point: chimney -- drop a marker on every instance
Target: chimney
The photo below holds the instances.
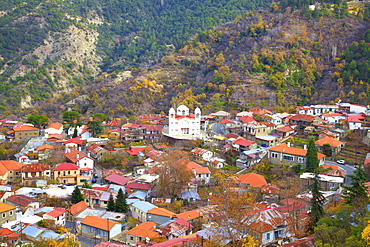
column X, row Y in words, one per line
column 88, row 154
column 305, row 146
column 288, row 144
column 78, row 156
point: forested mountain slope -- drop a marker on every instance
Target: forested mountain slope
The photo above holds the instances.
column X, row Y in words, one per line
column 51, row 46
column 279, row 58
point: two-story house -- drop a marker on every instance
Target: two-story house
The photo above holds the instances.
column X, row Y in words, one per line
column 7, row 213
column 201, row 173
column 54, row 128
column 79, row 158
column 23, row 202
column 32, row 172
column 57, row 216
column 140, row 210
column 68, row 173
column 24, row 132
column 141, row 233
column 96, row 151
column 10, row 171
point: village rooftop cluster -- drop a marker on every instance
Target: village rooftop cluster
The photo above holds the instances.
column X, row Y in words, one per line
column 36, row 198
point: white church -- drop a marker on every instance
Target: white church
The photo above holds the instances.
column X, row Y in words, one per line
column 184, row 125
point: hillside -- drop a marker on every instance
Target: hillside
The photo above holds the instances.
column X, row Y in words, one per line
column 47, row 48
column 274, row 58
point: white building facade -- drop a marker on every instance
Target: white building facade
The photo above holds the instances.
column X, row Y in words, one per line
column 183, row 123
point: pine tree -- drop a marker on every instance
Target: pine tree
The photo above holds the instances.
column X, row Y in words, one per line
column 357, row 192
column 312, row 162
column 121, row 204
column 76, row 196
column 110, row 205
column 317, row 204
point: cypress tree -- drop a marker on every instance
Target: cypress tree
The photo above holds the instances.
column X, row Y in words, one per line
column 317, row 204
column 121, row 204
column 75, row 133
column 76, row 196
column 312, row 162
column 357, row 192
column 110, row 205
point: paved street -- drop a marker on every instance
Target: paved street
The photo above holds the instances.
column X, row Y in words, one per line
column 349, row 170
column 217, row 128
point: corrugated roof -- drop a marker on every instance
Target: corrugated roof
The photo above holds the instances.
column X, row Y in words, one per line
column 143, row 206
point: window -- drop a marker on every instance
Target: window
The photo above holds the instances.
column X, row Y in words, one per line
column 268, row 236
column 274, row 155
column 288, row 157
column 300, row 159
column 132, row 238
column 91, row 229
column 3, row 215
column 11, row 213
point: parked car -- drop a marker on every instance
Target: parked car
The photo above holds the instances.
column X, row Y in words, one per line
column 342, row 162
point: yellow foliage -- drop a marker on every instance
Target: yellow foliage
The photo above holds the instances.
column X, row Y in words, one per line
column 251, row 242
column 366, row 234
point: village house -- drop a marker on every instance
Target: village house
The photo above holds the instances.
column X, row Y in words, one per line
column 326, row 182
column 96, row 198
column 220, row 115
column 140, row 210
column 79, row 158
column 141, row 233
column 74, row 210
column 202, row 154
column 307, row 110
column 32, row 172
column 255, row 129
column 4, row 194
column 97, row 227
column 115, row 123
column 73, row 143
column 45, row 151
column 286, row 154
column 272, row 119
column 201, row 173
column 175, row 228
column 96, row 151
column 10, row 171
column 334, row 144
column 303, row 121
column 352, row 108
column 8, row 237
column 7, row 213
column 24, row 132
column 24, row 202
column 252, row 180
column 57, row 216
column 284, row 132
column 184, row 125
column 117, row 179
column 243, row 145
column 159, row 215
column 54, row 128
column 333, row 118
column 268, row 225
column 68, row 173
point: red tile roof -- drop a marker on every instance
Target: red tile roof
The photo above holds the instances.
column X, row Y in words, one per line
column 110, row 244
column 114, row 123
column 189, row 215
column 225, row 121
column 252, row 179
column 200, row 151
column 66, row 167
column 56, row 126
column 332, row 115
column 328, row 140
column 283, row 148
column 74, row 155
column 99, row 222
column 118, row 179
column 286, row 128
column 270, row 189
column 247, row 119
column 308, row 241
column 108, row 172
column 76, row 208
column 161, row 211
column 35, row 168
column 220, row 114
column 25, row 128
column 74, row 140
column 5, row 232
column 21, row 200
column 135, row 151
column 95, row 148
column 9, row 165
column 303, row 117
column 144, row 230
column 190, row 165
column 45, row 146
column 243, row 142
column 231, row 135
column 56, row 212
